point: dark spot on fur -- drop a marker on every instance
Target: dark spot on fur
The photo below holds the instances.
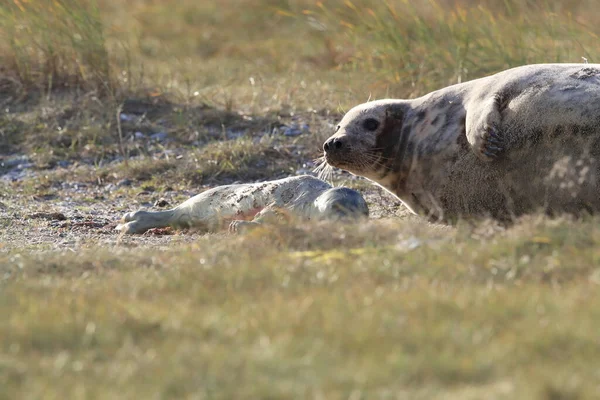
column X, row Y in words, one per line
column 395, row 111
column 404, row 138
column 456, row 118
column 560, row 133
column 462, row 142
column 454, row 158
column 585, row 73
column 287, row 195
column 557, row 131
column 409, row 149
column 535, row 136
column 388, row 139
column 391, row 143
column 419, row 117
column 423, row 148
column 435, row 120
column 412, row 127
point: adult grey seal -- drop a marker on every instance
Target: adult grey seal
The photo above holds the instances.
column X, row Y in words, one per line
column 510, row 143
column 248, row 204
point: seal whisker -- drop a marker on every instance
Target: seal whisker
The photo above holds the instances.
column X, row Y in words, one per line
column 326, row 174
column 323, row 170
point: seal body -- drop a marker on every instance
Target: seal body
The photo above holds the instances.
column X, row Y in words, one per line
column 252, row 203
column 520, row 140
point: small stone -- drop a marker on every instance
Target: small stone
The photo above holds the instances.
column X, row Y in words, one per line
column 159, row 231
column 161, row 203
column 44, row 197
column 159, row 137
column 19, row 162
column 292, row 131
column 124, row 182
column 53, row 216
column 234, row 134
column 139, row 135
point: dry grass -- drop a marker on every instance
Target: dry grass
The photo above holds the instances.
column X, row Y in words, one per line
column 415, row 47
column 54, row 44
column 387, row 48
column 393, row 308
column 382, row 310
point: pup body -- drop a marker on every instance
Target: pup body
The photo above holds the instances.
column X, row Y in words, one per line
column 251, row 203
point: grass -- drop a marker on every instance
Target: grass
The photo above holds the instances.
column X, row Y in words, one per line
column 389, row 308
column 291, row 313
column 57, row 43
column 416, row 47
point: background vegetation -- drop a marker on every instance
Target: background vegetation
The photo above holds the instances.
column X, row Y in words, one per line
column 112, row 104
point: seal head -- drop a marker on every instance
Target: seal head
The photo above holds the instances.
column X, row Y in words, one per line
column 367, row 140
column 340, row 203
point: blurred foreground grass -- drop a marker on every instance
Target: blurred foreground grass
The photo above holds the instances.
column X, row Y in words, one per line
column 386, row 309
column 378, row 310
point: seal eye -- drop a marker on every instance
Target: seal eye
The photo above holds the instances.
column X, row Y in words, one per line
column 370, row 124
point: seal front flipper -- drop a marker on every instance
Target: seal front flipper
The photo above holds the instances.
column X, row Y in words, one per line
column 269, row 214
column 492, row 145
column 482, row 129
column 239, row 226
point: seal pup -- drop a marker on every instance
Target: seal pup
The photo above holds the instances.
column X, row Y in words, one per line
column 499, row 146
column 244, row 205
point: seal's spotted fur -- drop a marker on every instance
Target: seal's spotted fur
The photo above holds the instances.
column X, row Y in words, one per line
column 502, row 145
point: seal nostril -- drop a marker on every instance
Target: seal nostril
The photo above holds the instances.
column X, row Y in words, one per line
column 332, row 145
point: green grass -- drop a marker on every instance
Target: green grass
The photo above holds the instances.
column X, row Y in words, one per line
column 391, row 308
